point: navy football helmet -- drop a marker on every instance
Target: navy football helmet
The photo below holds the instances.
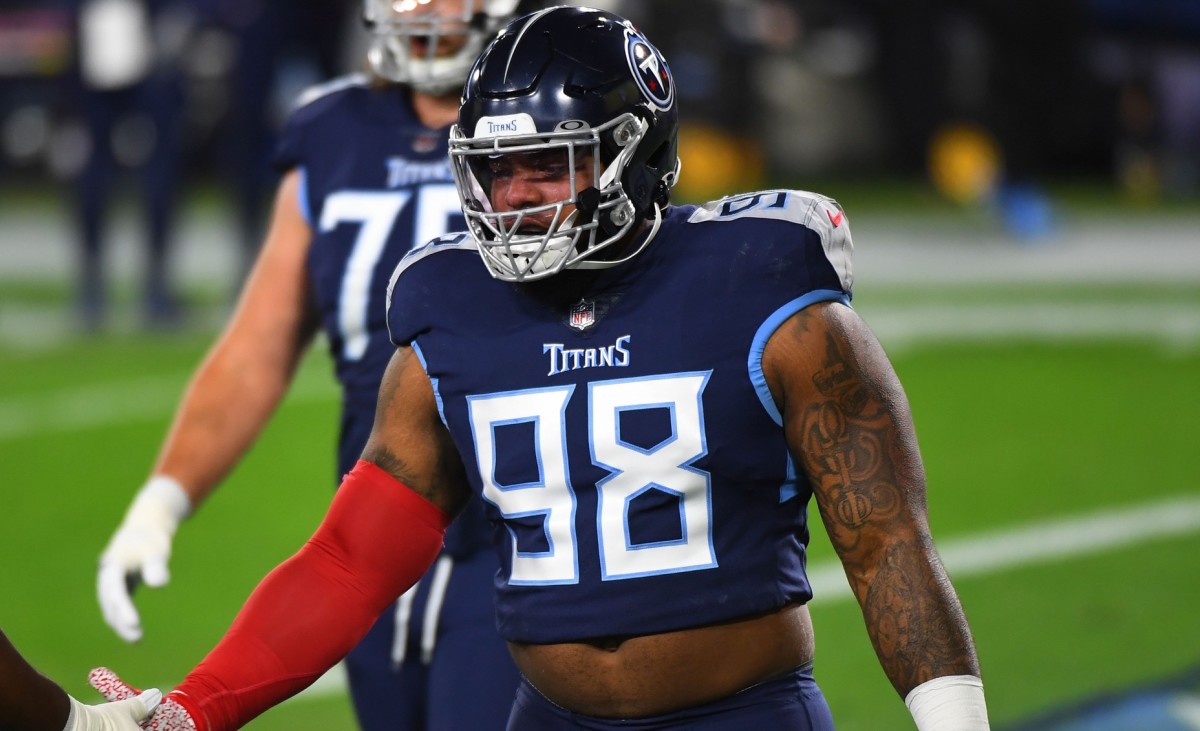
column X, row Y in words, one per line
column 408, row 32
column 584, row 85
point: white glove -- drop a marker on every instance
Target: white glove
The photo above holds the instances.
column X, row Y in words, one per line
column 120, row 716
column 138, row 552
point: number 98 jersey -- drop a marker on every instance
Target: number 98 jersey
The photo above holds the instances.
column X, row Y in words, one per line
column 623, row 438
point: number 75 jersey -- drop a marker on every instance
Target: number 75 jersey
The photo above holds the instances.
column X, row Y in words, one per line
column 629, row 454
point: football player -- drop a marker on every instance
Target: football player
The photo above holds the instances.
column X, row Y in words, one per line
column 366, row 176
column 648, row 398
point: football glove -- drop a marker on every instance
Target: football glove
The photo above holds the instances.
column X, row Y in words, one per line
column 138, row 552
column 169, row 716
column 124, row 715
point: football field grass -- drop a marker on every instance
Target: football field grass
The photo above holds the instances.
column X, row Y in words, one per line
column 1027, row 426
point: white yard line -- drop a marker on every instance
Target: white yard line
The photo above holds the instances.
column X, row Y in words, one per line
column 1170, row 324
column 1042, row 542
column 105, row 404
column 987, row 553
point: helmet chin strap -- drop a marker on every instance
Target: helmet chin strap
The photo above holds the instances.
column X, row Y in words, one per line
column 598, row 264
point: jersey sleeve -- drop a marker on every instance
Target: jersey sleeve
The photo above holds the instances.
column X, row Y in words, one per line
column 289, row 149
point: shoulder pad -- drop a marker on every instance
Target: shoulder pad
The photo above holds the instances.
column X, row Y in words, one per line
column 797, row 206
column 818, row 213
column 316, row 91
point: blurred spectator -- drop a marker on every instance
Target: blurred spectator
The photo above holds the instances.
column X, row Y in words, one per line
column 128, row 87
column 988, row 95
column 1150, row 50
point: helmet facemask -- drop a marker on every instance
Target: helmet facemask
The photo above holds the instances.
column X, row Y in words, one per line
column 538, row 241
column 411, row 37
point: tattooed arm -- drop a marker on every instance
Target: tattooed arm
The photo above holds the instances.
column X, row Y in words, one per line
column 848, row 423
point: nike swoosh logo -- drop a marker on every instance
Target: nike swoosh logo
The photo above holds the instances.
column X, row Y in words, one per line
column 835, row 219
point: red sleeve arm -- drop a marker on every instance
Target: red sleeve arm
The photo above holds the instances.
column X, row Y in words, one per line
column 377, row 539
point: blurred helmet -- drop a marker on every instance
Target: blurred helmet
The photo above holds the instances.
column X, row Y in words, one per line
column 583, row 84
column 431, row 44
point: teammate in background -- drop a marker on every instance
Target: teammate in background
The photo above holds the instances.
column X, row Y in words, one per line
column 647, row 397
column 29, row 701
column 366, row 177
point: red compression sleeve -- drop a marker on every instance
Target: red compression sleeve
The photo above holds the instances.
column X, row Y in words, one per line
column 377, row 539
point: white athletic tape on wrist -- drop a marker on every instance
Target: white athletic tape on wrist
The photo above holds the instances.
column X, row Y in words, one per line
column 949, row 703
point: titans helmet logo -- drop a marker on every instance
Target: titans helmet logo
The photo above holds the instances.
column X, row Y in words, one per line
column 649, row 70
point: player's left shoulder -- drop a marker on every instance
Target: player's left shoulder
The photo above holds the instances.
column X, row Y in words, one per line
column 814, row 211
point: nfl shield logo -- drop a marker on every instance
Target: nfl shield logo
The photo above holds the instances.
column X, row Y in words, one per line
column 583, row 315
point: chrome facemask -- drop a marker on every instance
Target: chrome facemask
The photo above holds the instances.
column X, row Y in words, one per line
column 511, row 249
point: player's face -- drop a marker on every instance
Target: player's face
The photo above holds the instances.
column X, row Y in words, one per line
column 452, row 17
column 532, row 179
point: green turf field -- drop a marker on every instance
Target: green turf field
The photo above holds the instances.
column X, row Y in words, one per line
column 1014, row 430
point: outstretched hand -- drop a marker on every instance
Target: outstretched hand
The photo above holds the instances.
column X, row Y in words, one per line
column 138, row 553
column 126, row 715
column 170, row 716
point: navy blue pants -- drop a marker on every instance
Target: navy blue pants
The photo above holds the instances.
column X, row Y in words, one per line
column 450, row 671
column 791, row 702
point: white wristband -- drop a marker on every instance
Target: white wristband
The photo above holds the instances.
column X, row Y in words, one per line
column 949, row 703
column 164, row 496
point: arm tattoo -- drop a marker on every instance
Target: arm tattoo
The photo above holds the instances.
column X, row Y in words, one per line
column 862, row 462
column 409, row 442
column 849, row 450
column 393, row 464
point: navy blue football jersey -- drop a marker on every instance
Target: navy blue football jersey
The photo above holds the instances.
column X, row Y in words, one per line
column 625, row 442
column 375, row 182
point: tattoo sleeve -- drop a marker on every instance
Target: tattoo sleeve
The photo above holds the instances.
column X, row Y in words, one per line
column 850, row 426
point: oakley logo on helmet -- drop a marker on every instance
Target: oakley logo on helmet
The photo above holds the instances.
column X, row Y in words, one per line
column 649, row 70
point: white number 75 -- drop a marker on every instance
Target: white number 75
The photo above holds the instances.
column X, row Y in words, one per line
column 377, row 212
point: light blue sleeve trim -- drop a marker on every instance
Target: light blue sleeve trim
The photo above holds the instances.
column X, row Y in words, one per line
column 768, row 328
column 302, row 195
column 437, row 395
column 788, row 489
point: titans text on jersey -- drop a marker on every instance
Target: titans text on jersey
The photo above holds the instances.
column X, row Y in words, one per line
column 563, row 358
